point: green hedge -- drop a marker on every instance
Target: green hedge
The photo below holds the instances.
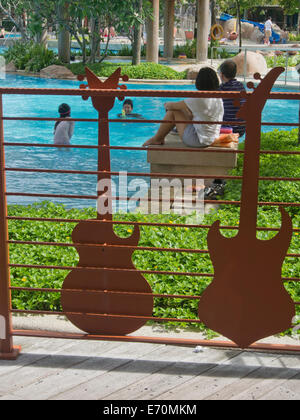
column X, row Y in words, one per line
column 141, row 71
column 280, row 60
column 274, row 165
column 165, row 237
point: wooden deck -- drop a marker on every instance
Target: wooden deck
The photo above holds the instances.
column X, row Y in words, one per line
column 61, row 369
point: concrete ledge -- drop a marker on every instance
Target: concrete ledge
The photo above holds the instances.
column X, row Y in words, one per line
column 198, row 163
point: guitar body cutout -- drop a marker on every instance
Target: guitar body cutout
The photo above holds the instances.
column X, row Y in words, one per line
column 246, row 300
column 88, row 302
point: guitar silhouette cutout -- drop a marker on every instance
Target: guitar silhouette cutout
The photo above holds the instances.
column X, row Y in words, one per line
column 246, row 300
column 99, row 297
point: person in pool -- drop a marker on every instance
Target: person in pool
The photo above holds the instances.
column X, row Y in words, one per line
column 127, row 110
column 194, row 109
column 63, row 130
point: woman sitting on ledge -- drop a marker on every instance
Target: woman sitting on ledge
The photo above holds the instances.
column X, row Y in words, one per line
column 194, row 109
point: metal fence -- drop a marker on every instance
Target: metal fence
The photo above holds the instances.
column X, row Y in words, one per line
column 111, row 311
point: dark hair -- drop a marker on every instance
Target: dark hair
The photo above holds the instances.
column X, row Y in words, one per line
column 64, row 111
column 128, row 102
column 228, row 68
column 207, row 79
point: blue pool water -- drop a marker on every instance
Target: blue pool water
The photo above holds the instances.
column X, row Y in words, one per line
column 121, row 134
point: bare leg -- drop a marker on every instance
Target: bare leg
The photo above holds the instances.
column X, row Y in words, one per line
column 165, row 128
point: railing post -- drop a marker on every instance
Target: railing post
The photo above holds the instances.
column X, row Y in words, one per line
column 245, row 64
column 7, row 351
column 286, row 67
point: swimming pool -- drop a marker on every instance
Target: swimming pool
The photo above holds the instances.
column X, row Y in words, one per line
column 121, row 134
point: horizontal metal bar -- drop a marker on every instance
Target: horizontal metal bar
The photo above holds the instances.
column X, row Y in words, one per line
column 141, row 93
column 169, row 149
column 135, row 248
column 71, row 268
column 155, row 340
column 58, row 146
column 133, row 223
column 108, row 316
column 83, row 197
column 91, row 197
column 153, row 148
column 107, row 292
column 146, row 174
column 146, row 121
column 104, row 245
column 173, row 273
column 128, row 174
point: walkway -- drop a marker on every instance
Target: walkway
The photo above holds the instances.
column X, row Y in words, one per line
column 67, row 369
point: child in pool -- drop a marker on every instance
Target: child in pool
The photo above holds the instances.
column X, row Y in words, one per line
column 63, row 130
column 127, row 110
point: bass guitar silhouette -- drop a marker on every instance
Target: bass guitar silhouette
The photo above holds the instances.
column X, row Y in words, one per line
column 246, row 300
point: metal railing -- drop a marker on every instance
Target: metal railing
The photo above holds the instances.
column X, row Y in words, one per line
column 118, row 268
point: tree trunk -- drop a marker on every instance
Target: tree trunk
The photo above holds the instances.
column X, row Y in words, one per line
column 213, row 12
column 169, row 28
column 95, row 39
column 203, row 29
column 83, row 48
column 106, row 48
column 152, row 46
column 284, row 22
column 137, row 37
column 64, row 38
column 238, row 17
column 42, row 37
column 137, row 45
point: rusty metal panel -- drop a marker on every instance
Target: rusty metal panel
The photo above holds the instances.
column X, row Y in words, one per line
column 107, row 297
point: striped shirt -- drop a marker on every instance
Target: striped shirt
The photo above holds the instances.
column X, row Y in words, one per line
column 229, row 109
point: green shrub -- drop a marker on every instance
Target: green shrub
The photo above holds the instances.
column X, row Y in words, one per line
column 294, row 37
column 280, row 60
column 164, row 237
column 30, row 56
column 141, row 71
column 126, row 50
column 275, row 166
column 189, row 49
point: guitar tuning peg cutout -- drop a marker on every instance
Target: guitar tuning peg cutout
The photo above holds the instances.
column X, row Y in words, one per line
column 81, row 77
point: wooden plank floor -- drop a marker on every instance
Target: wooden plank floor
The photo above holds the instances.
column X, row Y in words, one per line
column 60, row 369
